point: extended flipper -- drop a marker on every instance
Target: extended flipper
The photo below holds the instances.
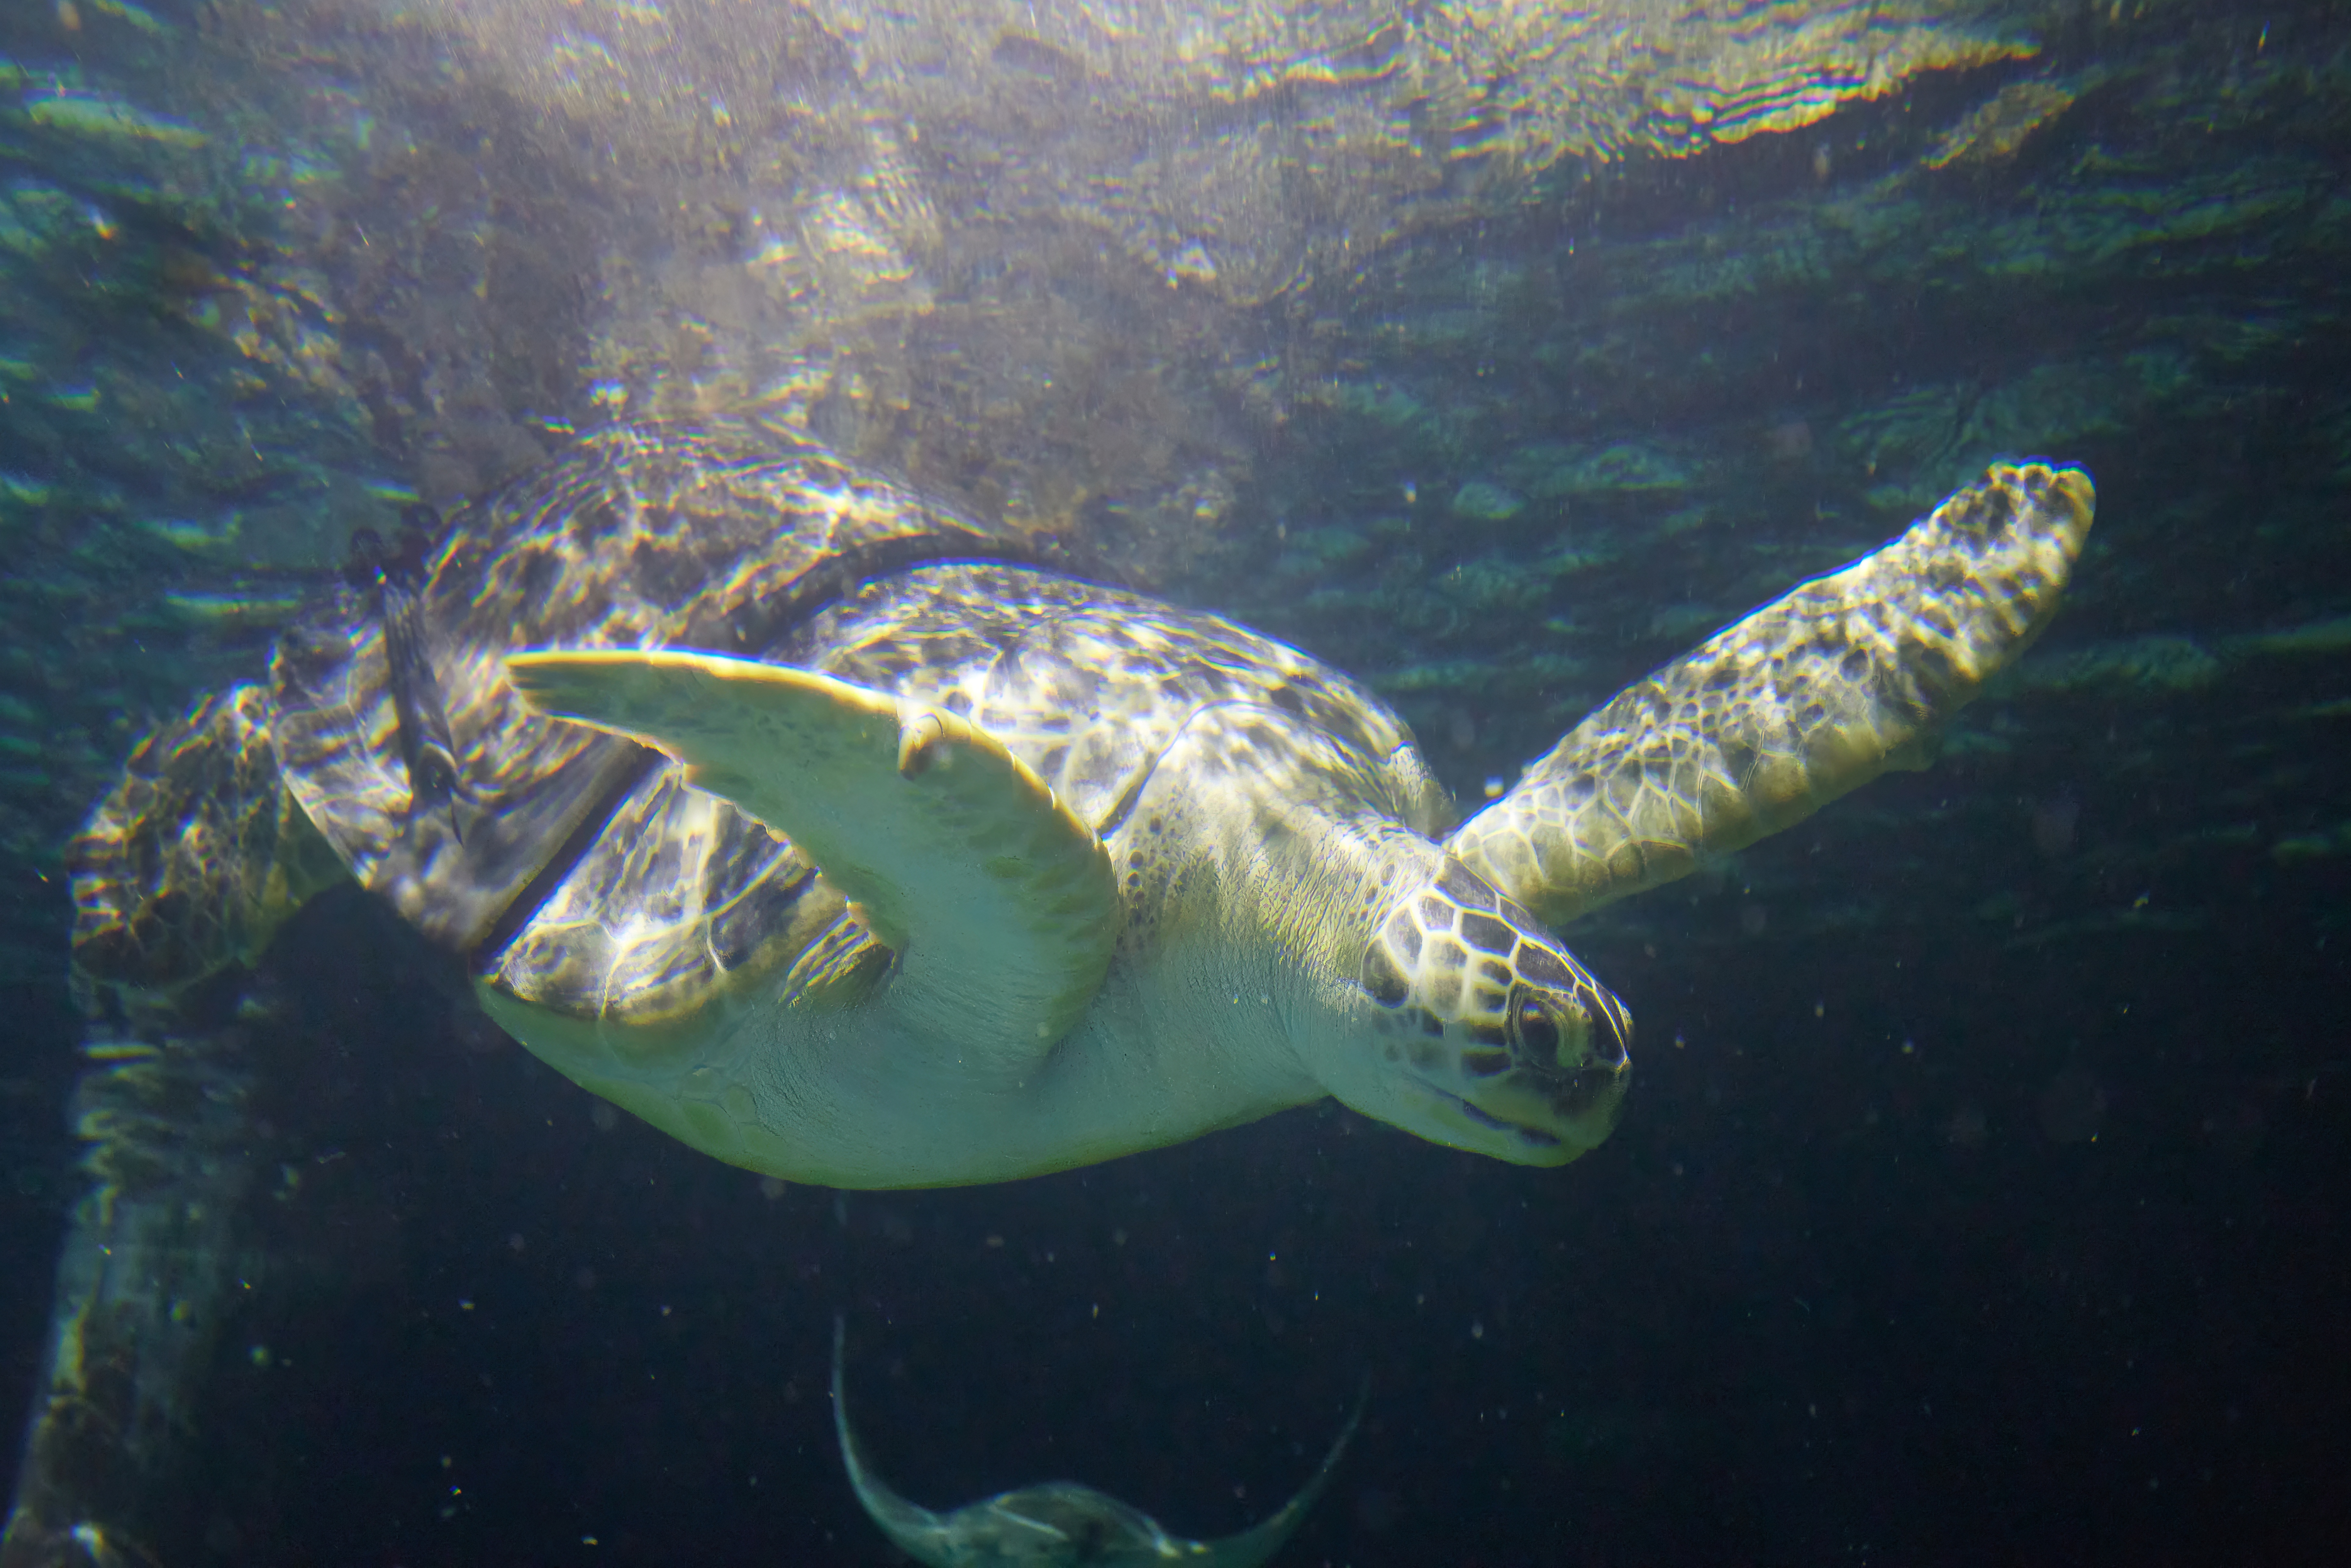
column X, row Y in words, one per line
column 1061, row 1524
column 195, row 858
column 1000, row 904
column 1771, row 718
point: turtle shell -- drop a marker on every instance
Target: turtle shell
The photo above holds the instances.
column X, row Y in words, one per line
column 576, row 870
column 552, row 852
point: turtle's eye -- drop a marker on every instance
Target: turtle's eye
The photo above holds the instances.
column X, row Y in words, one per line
column 1544, row 1033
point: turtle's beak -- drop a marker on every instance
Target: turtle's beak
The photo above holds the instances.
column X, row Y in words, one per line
column 1536, row 1118
column 1557, row 1091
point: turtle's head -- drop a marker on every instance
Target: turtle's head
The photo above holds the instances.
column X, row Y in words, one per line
column 1480, row 1031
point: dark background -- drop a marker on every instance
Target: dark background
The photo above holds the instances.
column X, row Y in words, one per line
column 1853, row 1282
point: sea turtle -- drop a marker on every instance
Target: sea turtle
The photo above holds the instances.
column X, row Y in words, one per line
column 825, row 829
column 833, row 834
column 1061, row 1524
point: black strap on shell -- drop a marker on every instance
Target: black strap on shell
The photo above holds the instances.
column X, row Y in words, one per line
column 396, row 578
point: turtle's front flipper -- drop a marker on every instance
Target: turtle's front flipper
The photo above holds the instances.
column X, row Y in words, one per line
column 1771, row 718
column 1000, row 903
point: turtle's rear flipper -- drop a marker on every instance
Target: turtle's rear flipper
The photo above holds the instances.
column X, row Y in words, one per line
column 196, row 857
column 1815, row 694
column 1000, row 903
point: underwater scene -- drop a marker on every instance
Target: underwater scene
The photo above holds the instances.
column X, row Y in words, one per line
column 1099, row 781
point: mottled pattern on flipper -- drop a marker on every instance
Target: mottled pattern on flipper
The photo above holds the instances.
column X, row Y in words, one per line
column 1809, row 697
column 196, row 856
